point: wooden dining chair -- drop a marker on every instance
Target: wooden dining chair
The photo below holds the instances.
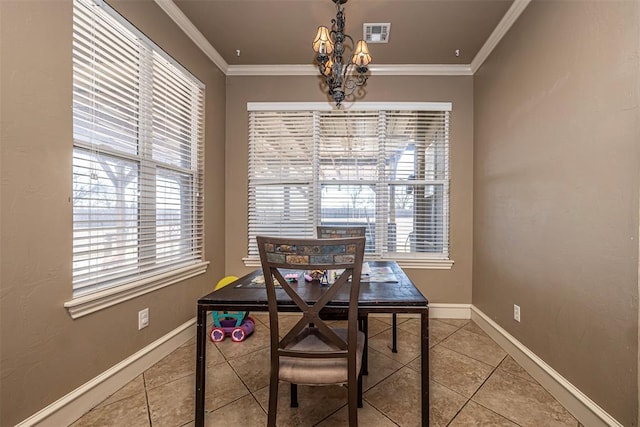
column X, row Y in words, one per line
column 337, row 232
column 332, row 232
column 313, row 352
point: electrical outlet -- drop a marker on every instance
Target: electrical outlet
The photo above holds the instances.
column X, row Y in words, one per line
column 143, row 318
column 516, row 312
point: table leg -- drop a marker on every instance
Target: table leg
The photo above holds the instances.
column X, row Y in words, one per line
column 365, row 351
column 424, row 332
column 394, row 333
column 201, row 356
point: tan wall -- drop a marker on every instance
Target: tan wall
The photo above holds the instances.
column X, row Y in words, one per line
column 445, row 286
column 46, row 354
column 556, row 177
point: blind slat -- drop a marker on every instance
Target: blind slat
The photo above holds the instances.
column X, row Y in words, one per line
column 138, row 155
column 387, row 170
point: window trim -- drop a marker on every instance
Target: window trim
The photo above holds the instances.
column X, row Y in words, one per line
column 361, row 106
column 152, row 280
column 413, row 264
column 90, row 303
column 410, row 261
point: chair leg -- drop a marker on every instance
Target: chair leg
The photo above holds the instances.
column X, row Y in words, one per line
column 273, row 400
column 294, row 395
column 394, row 333
column 360, row 391
column 353, row 401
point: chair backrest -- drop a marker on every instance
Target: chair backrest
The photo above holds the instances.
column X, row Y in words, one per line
column 303, row 255
column 339, row 232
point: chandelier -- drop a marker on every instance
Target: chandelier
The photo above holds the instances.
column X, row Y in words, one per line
column 341, row 79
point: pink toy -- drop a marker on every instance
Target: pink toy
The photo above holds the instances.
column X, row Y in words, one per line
column 229, row 327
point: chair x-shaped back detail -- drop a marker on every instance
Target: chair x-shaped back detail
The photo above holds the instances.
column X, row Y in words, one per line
column 313, row 352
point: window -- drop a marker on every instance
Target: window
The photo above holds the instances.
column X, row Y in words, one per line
column 137, row 157
column 386, row 169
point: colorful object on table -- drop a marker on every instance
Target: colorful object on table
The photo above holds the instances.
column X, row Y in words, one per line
column 291, row 277
column 238, row 325
column 224, row 282
column 319, row 276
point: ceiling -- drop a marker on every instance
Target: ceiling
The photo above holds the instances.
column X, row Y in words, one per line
column 272, row 33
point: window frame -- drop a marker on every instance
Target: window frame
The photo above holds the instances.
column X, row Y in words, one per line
column 183, row 256
column 405, row 259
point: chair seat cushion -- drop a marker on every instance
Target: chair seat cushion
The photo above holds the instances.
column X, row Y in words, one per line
column 303, row 371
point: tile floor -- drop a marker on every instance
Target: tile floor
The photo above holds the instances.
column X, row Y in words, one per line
column 473, row 383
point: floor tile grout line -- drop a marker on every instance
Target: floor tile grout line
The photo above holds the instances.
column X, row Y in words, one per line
column 493, row 371
column 237, row 374
column 172, row 380
column 528, row 378
column 451, row 324
column 498, row 414
column 457, row 413
column 234, row 401
column 266, row 413
column 486, row 379
column 146, row 399
column 439, row 341
column 488, row 409
column 392, row 373
column 228, row 358
column 468, row 399
column 380, row 412
column 330, row 415
column 471, row 357
column 403, row 365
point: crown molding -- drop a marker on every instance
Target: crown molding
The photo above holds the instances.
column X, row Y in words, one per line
column 518, row 6
column 378, row 70
column 272, row 70
column 421, row 69
column 501, row 29
column 170, row 8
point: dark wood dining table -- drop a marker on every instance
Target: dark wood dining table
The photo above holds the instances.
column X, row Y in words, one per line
column 393, row 292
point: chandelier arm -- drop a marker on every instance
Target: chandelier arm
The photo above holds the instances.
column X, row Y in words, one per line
column 353, row 43
column 323, row 71
column 349, row 87
column 345, row 71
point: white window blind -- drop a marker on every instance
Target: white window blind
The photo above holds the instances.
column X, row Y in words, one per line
column 138, row 124
column 385, row 169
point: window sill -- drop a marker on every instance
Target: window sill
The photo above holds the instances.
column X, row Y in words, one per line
column 87, row 304
column 408, row 263
column 426, row 264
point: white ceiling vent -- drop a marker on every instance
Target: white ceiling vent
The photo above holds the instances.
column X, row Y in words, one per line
column 376, row 33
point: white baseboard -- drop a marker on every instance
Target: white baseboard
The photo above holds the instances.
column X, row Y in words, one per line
column 449, row 311
column 69, row 408
column 576, row 402
column 439, row 311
